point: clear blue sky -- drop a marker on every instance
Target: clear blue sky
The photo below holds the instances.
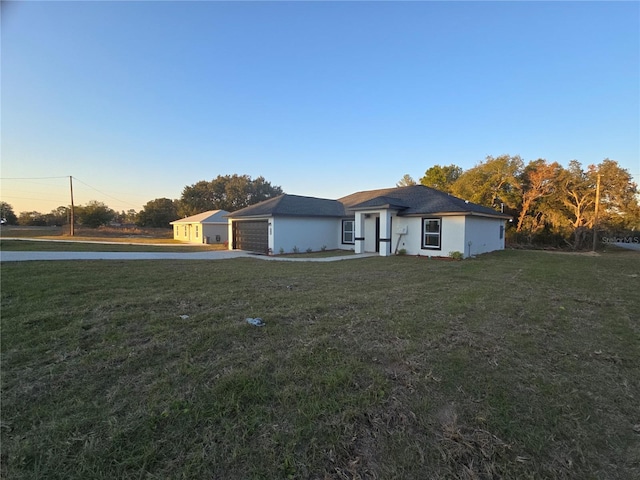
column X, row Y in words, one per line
column 139, row 99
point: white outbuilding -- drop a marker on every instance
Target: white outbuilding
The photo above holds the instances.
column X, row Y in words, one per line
column 206, row 227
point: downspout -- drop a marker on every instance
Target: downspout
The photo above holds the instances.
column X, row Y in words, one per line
column 398, row 243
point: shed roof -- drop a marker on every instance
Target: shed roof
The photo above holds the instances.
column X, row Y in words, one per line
column 212, row 216
column 292, row 205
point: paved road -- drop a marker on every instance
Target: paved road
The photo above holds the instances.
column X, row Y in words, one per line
column 21, row 256
column 628, row 246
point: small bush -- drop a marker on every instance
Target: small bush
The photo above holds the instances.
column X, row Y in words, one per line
column 323, row 248
column 309, row 250
column 281, row 250
column 456, row 255
column 296, row 250
column 402, row 251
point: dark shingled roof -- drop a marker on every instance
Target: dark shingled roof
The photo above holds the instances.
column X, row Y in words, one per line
column 412, row 200
column 381, row 202
column 292, row 205
column 419, row 200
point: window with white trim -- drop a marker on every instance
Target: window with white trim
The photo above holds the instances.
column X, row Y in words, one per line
column 431, row 233
column 348, row 231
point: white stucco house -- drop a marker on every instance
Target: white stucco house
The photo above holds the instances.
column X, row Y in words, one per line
column 205, row 227
column 418, row 219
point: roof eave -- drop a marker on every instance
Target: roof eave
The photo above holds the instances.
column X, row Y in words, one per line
column 375, row 208
column 293, row 215
column 262, row 216
column 459, row 214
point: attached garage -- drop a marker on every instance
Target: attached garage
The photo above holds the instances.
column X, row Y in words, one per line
column 287, row 223
column 251, row 235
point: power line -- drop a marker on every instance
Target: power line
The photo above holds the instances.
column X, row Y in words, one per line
column 30, row 178
column 28, row 198
column 120, row 201
column 105, row 194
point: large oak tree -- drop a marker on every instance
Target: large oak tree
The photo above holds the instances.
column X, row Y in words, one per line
column 229, row 192
column 158, row 213
column 441, row 177
column 494, row 182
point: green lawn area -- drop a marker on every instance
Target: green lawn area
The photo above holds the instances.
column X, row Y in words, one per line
column 516, row 364
column 79, row 246
column 133, row 234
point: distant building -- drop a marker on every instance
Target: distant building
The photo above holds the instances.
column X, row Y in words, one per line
column 206, row 227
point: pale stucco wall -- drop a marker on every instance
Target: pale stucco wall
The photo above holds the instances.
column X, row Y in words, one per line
column 409, row 241
column 181, row 232
column 456, row 233
column 198, row 233
column 304, row 233
column 453, row 235
column 218, row 233
column 484, row 235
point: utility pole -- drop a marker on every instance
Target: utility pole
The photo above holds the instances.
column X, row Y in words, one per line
column 595, row 216
column 72, row 216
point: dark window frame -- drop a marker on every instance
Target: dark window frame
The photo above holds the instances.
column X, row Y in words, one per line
column 424, row 233
column 353, row 232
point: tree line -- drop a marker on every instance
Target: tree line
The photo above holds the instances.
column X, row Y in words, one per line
column 549, row 203
column 229, row 192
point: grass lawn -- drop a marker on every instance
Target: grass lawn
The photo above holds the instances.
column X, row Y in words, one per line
column 513, row 365
column 114, row 234
column 79, row 246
